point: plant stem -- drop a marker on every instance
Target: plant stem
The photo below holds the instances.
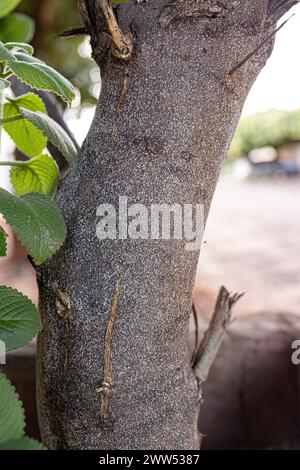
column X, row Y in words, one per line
column 12, row 163
column 10, row 119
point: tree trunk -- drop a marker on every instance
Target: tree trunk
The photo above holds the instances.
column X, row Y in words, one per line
column 160, row 134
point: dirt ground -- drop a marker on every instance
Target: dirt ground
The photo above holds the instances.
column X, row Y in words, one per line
column 252, row 244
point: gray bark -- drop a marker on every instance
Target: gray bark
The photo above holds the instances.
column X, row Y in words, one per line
column 171, row 138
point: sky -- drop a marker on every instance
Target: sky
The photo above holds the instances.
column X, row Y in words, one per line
column 278, row 85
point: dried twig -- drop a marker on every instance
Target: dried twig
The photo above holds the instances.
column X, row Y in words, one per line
column 195, row 317
column 277, row 8
column 213, row 337
column 123, row 44
column 108, row 384
column 252, row 53
column 72, row 32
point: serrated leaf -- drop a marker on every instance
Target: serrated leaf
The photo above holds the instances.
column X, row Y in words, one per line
column 19, row 46
column 5, row 55
column 24, row 443
column 37, row 74
column 36, row 221
column 19, row 319
column 39, row 175
column 6, row 6
column 42, row 77
column 16, row 27
column 3, row 243
column 55, row 133
column 25, row 135
column 27, row 58
column 11, row 412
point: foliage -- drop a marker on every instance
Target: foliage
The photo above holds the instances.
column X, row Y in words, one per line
column 29, row 140
column 32, row 214
column 3, row 245
column 38, row 175
column 16, row 27
column 54, row 132
column 13, row 421
column 36, row 221
column 271, row 128
column 7, row 6
column 65, row 54
column 19, row 318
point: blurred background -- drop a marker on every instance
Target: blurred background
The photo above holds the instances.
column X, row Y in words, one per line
column 251, row 242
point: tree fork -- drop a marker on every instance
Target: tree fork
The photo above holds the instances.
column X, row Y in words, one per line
column 174, row 129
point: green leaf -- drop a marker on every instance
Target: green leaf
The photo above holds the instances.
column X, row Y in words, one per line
column 19, row 46
column 27, row 58
column 39, row 175
column 19, row 319
column 6, row 6
column 41, row 77
column 5, row 55
column 55, row 133
column 37, row 74
column 4, row 84
column 37, row 222
column 3, row 244
column 25, row 135
column 16, row 27
column 11, row 412
column 24, row 443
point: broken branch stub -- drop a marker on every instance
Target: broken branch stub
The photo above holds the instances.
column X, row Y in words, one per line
column 213, row 337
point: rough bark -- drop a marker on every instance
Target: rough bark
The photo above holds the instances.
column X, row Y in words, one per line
column 160, row 134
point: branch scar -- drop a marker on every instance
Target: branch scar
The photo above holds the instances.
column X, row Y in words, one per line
column 108, row 384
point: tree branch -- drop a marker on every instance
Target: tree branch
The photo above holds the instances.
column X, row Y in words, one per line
column 252, row 53
column 277, row 8
column 123, row 44
column 213, row 336
column 72, row 32
column 108, row 384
